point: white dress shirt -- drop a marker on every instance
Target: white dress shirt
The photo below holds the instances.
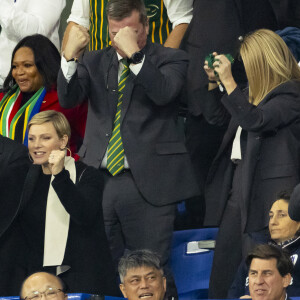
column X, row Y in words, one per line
column 69, row 68
column 179, row 11
column 20, row 18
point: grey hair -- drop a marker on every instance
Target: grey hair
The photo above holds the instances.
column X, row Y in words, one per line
column 120, row 9
column 137, row 259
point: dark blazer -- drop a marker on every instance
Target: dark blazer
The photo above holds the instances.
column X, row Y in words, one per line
column 87, row 250
column 270, row 143
column 217, row 26
column 240, row 285
column 12, row 153
column 294, row 204
column 157, row 157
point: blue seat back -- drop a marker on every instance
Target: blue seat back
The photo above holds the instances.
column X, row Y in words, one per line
column 191, row 271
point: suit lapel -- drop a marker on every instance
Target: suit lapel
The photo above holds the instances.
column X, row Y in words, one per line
column 29, row 184
column 1, row 151
column 110, row 71
column 130, row 83
column 238, row 4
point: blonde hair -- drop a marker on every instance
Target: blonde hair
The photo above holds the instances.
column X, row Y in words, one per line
column 268, row 63
column 58, row 120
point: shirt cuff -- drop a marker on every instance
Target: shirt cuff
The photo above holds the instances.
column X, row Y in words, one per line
column 135, row 69
column 183, row 20
column 68, row 68
column 80, row 21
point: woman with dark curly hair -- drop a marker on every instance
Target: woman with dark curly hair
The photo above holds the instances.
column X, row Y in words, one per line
column 30, row 87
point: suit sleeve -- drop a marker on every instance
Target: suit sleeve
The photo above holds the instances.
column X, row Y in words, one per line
column 163, row 81
column 294, row 204
column 238, row 286
column 280, row 110
column 19, row 156
column 211, row 106
column 82, row 200
column 74, row 92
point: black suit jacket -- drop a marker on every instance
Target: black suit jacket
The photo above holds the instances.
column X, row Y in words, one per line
column 12, row 153
column 270, row 143
column 157, row 157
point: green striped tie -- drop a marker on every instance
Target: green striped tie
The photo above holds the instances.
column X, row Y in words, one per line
column 115, row 152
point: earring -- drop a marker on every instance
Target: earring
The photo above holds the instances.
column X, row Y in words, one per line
column 68, row 150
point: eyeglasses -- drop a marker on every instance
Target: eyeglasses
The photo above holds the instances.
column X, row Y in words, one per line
column 49, row 293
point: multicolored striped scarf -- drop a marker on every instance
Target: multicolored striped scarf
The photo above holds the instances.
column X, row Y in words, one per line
column 14, row 120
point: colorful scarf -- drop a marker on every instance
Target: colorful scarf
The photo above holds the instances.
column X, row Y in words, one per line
column 14, row 120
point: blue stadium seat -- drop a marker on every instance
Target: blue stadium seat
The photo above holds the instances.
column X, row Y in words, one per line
column 192, row 271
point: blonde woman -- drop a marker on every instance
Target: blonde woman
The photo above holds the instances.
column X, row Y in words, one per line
column 260, row 152
column 58, row 218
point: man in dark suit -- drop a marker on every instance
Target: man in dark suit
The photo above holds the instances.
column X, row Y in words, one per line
column 152, row 171
column 11, row 153
column 14, row 161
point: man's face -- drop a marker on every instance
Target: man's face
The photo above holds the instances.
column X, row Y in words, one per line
column 144, row 283
column 42, row 282
column 265, row 282
column 132, row 21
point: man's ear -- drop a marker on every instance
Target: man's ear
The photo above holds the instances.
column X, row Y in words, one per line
column 123, row 290
column 165, row 283
column 147, row 26
column 287, row 280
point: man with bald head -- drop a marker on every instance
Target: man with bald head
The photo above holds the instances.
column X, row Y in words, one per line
column 42, row 283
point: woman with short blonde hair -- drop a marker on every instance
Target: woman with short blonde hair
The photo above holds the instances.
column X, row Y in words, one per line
column 60, row 223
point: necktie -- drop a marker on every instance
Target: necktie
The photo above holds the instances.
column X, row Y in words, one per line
column 115, row 152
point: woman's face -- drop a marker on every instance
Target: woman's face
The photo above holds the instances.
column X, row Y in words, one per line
column 42, row 139
column 25, row 72
column 281, row 226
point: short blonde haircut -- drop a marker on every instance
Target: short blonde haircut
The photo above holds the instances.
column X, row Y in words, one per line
column 58, row 120
column 268, row 63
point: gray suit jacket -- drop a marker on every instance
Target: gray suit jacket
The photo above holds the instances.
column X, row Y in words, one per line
column 158, row 159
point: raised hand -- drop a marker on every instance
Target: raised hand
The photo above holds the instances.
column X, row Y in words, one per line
column 78, row 39
column 126, row 40
column 56, row 161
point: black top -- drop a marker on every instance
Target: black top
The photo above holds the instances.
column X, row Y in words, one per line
column 33, row 218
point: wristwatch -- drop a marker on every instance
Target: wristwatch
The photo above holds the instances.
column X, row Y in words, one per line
column 136, row 57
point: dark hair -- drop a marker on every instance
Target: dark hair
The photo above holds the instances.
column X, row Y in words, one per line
column 137, row 259
column 284, row 195
column 46, row 58
column 284, row 264
column 120, row 9
column 64, row 287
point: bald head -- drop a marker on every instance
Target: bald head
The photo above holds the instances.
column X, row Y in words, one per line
column 40, row 282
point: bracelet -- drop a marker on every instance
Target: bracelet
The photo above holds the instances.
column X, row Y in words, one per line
column 212, row 81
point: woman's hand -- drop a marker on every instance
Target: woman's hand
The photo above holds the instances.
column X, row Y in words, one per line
column 56, row 161
column 210, row 72
column 223, row 67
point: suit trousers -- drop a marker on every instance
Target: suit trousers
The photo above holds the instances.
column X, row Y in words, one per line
column 132, row 223
column 232, row 243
